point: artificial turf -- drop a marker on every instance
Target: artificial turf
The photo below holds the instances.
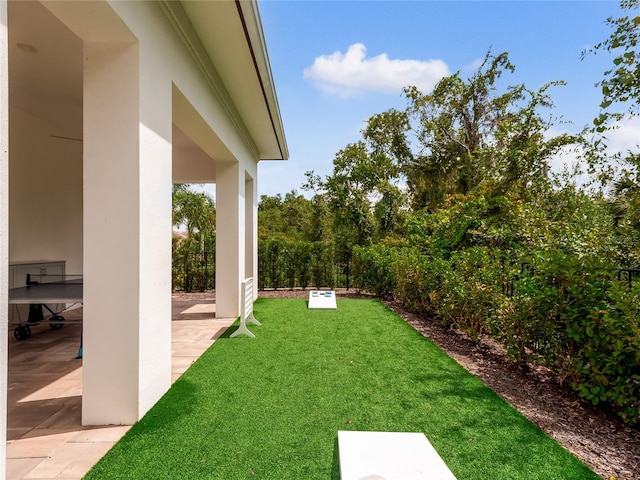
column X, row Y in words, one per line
column 271, row 407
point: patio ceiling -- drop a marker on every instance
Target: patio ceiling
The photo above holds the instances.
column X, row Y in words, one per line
column 231, row 33
column 45, row 65
column 45, row 68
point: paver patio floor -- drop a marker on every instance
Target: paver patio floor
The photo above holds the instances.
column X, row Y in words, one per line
column 45, row 438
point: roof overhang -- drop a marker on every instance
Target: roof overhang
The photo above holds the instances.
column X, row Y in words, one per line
column 227, row 42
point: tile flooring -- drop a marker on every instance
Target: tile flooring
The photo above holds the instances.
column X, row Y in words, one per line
column 45, row 439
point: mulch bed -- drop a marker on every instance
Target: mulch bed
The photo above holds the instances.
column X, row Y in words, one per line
column 594, row 435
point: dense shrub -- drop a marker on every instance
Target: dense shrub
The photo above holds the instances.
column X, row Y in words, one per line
column 552, row 291
column 303, row 254
column 606, row 367
column 549, row 308
column 284, row 263
column 323, row 266
column 418, row 276
column 192, row 269
column 272, row 259
column 470, row 291
column 373, row 269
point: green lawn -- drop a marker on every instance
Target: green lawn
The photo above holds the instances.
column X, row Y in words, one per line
column 271, row 407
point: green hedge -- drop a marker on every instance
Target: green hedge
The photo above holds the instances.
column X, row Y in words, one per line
column 286, row 263
column 567, row 313
column 191, row 268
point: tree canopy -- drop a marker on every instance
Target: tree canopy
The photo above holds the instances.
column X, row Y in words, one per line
column 621, row 83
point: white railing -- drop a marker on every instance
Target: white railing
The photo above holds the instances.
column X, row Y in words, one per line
column 246, row 313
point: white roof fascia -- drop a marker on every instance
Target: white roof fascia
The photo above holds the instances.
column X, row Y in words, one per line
column 247, row 93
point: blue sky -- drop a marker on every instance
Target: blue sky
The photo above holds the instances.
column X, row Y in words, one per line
column 336, row 63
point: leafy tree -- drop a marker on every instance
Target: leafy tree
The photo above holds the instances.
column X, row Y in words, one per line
column 196, row 212
column 319, row 228
column 297, row 212
column 289, row 218
column 386, row 134
column 620, row 98
column 362, row 178
column 390, row 213
column 270, row 221
column 469, row 132
column 621, row 83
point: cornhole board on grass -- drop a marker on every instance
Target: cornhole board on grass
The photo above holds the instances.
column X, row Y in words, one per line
column 389, row 456
column 322, row 299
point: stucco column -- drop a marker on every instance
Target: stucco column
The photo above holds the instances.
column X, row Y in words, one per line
column 127, row 228
column 4, row 227
column 230, row 238
column 251, row 232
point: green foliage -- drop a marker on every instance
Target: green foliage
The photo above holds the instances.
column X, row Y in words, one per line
column 291, row 217
column 462, row 221
column 196, row 211
column 373, row 269
column 449, row 208
column 284, row 263
column 272, row 254
column 417, row 277
column 470, row 132
column 624, row 207
column 191, row 269
column 389, row 214
column 303, row 254
column 553, row 291
column 621, row 83
column 469, row 291
column 193, row 257
column 606, row 368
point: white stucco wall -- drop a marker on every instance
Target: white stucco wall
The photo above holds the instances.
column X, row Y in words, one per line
column 4, row 224
column 148, row 23
column 45, row 199
column 104, row 204
column 207, row 122
column 139, row 279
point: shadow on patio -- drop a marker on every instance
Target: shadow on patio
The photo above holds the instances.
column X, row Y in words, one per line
column 45, row 438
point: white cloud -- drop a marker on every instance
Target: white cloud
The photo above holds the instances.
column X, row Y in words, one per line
column 350, row 73
column 567, row 156
column 473, row 66
column 624, row 137
column 619, row 140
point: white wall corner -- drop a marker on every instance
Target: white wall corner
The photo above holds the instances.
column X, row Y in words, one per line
column 4, row 227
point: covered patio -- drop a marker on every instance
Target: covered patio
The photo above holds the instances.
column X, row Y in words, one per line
column 45, row 435
column 103, row 106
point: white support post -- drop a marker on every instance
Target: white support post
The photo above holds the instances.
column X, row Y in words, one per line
column 230, row 238
column 127, row 185
column 4, row 225
column 246, row 315
column 251, row 229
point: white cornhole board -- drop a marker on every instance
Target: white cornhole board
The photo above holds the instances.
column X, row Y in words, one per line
column 322, row 299
column 389, row 456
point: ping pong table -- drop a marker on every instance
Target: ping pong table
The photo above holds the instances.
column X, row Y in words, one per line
column 66, row 291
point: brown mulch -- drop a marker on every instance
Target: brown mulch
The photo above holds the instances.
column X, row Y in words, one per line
column 594, row 435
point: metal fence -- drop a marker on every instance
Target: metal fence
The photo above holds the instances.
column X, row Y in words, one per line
column 193, row 272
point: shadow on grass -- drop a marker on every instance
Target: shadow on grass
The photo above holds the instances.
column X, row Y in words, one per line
column 179, row 402
column 226, row 335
